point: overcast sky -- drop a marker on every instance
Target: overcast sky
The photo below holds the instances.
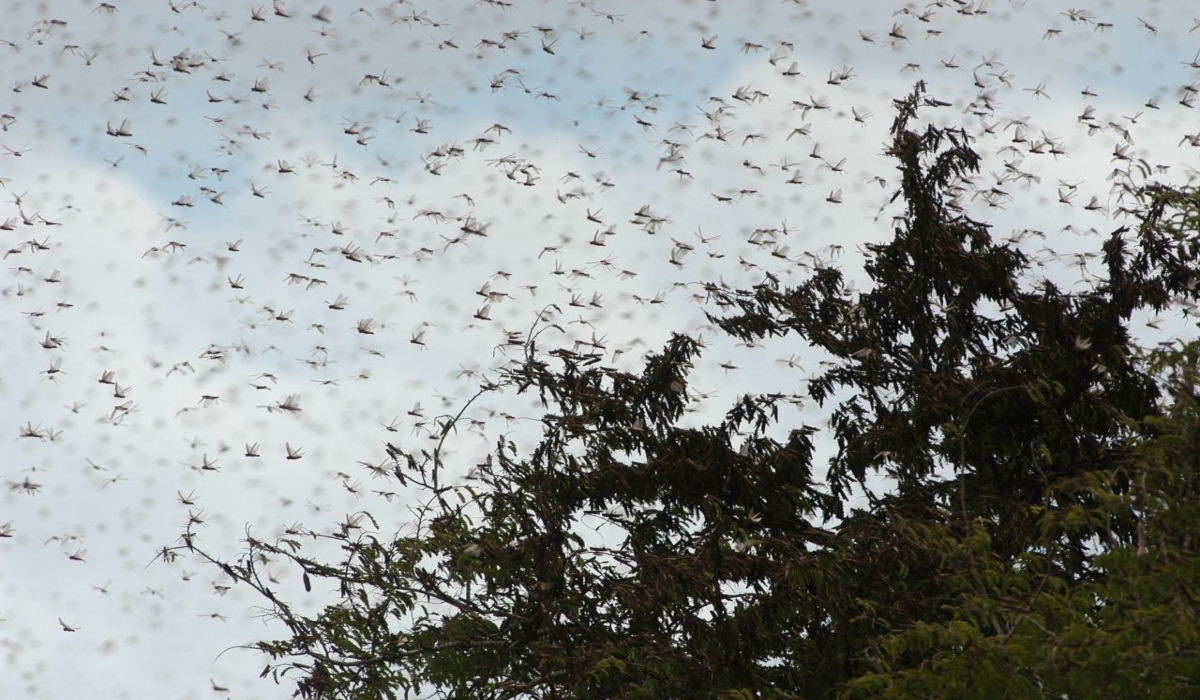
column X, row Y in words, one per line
column 227, row 205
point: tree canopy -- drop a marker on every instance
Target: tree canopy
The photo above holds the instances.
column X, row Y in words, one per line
column 1034, row 531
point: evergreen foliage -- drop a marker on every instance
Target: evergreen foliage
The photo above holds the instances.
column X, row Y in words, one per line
column 1036, row 539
